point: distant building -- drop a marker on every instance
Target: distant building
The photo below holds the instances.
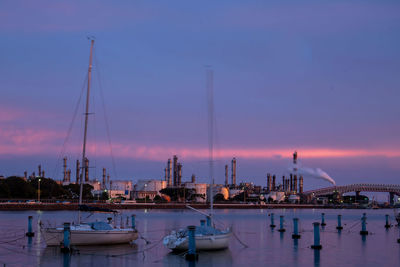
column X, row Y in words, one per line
column 148, row 188
column 119, row 188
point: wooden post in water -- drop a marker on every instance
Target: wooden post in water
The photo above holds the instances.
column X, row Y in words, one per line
column 339, row 222
column 30, row 233
column 191, row 255
column 281, row 229
column 317, row 240
column 272, row 225
column 364, row 225
column 295, row 234
column 66, row 241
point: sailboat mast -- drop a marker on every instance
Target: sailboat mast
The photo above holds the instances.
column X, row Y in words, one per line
column 211, row 134
column 84, row 166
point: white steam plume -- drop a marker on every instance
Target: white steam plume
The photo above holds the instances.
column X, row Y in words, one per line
column 317, row 173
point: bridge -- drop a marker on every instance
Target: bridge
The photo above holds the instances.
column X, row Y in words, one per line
column 389, row 188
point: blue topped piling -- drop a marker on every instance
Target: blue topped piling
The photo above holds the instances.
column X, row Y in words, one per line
column 30, row 233
column 295, row 234
column 364, row 225
column 208, row 221
column 272, row 225
column 317, row 241
column 191, row 255
column 323, row 219
column 387, row 224
column 202, row 222
column 133, row 216
column 339, row 222
column 66, row 241
column 281, row 229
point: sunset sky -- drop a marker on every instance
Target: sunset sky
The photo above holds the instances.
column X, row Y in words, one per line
column 319, row 77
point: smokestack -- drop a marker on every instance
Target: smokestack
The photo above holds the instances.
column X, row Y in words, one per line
column 273, row 182
column 283, row 183
column 301, row 185
column 65, row 168
column 193, row 179
column 234, row 171
column 77, row 171
column 43, row 174
column 40, row 170
column 295, row 184
column 179, row 174
column 108, row 180
column 104, row 178
column 175, row 170
column 295, row 161
column 287, row 185
column 268, row 182
column 25, row 175
column 169, row 167
column 291, row 183
column 226, row 175
column 68, row 175
column 165, row 174
column 33, row 174
column 86, row 170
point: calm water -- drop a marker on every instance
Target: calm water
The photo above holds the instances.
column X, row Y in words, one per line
column 265, row 246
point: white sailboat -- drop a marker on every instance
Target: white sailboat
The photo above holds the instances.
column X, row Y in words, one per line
column 207, row 236
column 91, row 233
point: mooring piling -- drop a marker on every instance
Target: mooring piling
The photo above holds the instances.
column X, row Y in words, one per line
column 317, row 239
column 30, row 233
column 281, row 220
column 387, row 224
column 66, row 241
column 339, row 222
column 191, row 255
column 295, row 234
column 364, row 225
column 323, row 219
column 272, row 225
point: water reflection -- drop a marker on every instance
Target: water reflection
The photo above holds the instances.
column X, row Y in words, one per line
column 206, row 258
column 317, row 257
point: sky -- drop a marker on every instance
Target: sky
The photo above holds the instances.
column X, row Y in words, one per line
column 319, row 77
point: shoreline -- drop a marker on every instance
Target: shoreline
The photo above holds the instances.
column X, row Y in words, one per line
column 73, row 206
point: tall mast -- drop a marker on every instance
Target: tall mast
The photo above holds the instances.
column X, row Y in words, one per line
column 210, row 101
column 86, row 123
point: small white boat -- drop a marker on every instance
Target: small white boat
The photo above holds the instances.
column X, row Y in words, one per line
column 98, row 233
column 95, row 233
column 207, row 238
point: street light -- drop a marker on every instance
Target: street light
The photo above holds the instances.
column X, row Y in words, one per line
column 39, row 190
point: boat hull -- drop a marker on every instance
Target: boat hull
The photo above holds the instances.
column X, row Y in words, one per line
column 203, row 242
column 54, row 237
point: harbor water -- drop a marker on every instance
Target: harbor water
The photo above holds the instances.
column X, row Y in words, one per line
column 253, row 242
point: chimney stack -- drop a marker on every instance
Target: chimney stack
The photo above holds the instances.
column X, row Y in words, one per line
column 104, row 178
column 25, row 175
column 179, row 174
column 169, row 167
column 295, row 184
column 43, row 174
column 65, row 169
column 301, row 185
column 226, row 175
column 77, row 171
column 108, row 180
column 234, row 171
column 165, row 174
column 40, row 170
column 175, row 170
column 283, row 183
column 273, row 182
column 291, row 183
column 68, row 175
column 193, row 179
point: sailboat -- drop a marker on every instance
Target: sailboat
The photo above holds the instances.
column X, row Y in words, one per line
column 207, row 237
column 90, row 233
